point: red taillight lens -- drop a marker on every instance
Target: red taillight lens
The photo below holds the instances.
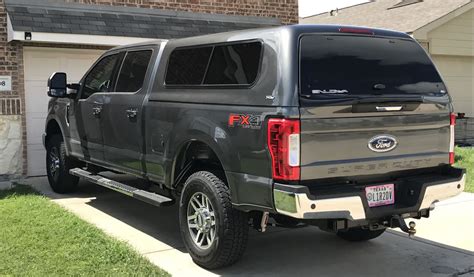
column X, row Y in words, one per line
column 452, row 123
column 284, row 144
column 356, row 31
column 452, row 119
column 451, row 157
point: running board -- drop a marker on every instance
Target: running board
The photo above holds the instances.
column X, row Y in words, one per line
column 145, row 196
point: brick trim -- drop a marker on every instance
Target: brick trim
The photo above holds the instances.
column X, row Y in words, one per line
column 10, row 106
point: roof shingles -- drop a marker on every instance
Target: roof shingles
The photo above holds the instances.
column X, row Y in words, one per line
column 381, row 14
column 119, row 23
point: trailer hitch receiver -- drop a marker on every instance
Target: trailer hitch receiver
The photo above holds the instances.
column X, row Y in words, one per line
column 398, row 222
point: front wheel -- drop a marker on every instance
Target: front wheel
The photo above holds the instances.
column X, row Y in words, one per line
column 359, row 234
column 214, row 233
column 58, row 165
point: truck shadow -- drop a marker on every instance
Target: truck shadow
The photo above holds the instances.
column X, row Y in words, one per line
column 289, row 252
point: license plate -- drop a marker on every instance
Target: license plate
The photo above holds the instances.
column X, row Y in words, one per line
column 380, row 195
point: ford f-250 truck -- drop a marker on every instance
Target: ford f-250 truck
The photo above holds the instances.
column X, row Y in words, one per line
column 349, row 129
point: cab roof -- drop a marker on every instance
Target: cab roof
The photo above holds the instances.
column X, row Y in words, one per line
column 257, row 33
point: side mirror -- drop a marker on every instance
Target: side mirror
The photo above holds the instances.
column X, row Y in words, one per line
column 57, row 85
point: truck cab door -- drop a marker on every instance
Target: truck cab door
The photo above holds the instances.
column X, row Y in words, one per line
column 122, row 115
column 95, row 85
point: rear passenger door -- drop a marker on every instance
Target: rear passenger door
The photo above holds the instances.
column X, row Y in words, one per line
column 122, row 115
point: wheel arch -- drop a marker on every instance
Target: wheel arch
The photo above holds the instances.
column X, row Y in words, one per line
column 195, row 154
column 53, row 126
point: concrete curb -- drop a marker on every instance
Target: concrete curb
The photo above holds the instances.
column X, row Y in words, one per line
column 9, row 184
column 6, row 185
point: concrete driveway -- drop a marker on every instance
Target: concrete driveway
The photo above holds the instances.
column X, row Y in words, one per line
column 443, row 247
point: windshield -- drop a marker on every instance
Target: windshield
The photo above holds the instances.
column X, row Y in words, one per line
column 338, row 65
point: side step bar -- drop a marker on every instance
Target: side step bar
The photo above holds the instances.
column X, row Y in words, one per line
column 145, row 196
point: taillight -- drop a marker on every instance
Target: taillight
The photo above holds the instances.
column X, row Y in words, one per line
column 452, row 123
column 357, row 31
column 283, row 137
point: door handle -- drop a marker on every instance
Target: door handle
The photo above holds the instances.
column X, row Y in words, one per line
column 389, row 109
column 96, row 111
column 132, row 113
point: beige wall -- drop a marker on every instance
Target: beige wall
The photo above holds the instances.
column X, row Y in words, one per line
column 452, row 47
column 455, row 37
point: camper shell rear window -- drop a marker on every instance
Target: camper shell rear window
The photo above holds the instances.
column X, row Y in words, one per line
column 355, row 65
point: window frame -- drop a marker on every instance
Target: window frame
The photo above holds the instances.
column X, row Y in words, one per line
column 114, row 74
column 114, row 91
column 216, row 86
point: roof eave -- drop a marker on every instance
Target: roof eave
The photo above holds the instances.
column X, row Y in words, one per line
column 422, row 32
column 60, row 38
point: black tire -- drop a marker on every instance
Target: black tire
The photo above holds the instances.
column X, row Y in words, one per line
column 231, row 225
column 59, row 178
column 359, row 234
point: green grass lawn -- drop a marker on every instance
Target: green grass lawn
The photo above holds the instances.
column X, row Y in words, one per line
column 39, row 238
column 465, row 158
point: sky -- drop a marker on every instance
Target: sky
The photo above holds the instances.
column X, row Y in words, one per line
column 310, row 7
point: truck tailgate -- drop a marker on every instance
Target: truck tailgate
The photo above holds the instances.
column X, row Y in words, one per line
column 334, row 140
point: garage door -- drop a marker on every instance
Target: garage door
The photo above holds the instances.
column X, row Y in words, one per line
column 458, row 72
column 39, row 63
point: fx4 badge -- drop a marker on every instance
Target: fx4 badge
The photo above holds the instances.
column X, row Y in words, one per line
column 245, row 121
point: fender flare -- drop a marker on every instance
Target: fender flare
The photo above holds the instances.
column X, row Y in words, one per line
column 196, row 136
column 49, row 120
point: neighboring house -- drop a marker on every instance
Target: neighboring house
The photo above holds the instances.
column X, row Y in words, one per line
column 444, row 28
column 38, row 37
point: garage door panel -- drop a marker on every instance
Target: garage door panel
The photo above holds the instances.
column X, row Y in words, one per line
column 458, row 73
column 454, row 65
column 34, row 135
column 37, row 90
column 39, row 64
column 36, row 160
column 47, row 65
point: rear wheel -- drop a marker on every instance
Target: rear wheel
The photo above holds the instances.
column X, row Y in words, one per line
column 58, row 165
column 359, row 234
column 214, row 233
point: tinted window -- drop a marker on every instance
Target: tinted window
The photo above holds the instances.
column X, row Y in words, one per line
column 100, row 78
column 235, row 64
column 133, row 71
column 365, row 65
column 187, row 66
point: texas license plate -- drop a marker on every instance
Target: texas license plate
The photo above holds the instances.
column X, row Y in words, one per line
column 380, row 195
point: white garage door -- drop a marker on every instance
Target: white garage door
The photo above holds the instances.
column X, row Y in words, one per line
column 458, row 72
column 39, row 63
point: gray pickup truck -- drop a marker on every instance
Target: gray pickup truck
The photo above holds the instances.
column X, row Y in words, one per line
column 346, row 128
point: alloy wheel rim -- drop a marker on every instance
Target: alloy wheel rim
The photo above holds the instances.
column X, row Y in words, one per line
column 201, row 220
column 54, row 162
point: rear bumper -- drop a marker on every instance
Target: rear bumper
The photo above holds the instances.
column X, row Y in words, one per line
column 299, row 202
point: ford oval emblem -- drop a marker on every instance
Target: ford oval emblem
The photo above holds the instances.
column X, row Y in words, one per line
column 382, row 143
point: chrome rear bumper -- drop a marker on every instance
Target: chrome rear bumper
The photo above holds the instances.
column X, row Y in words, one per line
column 296, row 201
